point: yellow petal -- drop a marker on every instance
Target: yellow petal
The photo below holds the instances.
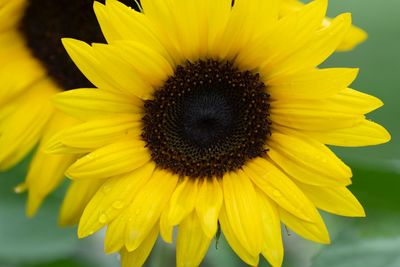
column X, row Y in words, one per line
column 87, row 104
column 190, row 27
column 107, row 28
column 161, row 14
column 96, row 133
column 166, row 229
column 354, row 37
column 23, row 128
column 337, row 200
column 10, row 13
column 148, row 63
column 279, row 188
column 137, row 27
column 17, row 73
column 147, row 205
column 326, row 41
column 47, row 171
column 271, row 224
column 311, row 84
column 231, row 236
column 317, row 50
column 95, row 62
column 115, row 235
column 347, row 101
column 118, row 21
column 366, row 133
column 110, row 160
column 125, row 23
column 314, row 120
column 308, row 160
column 77, row 197
column 12, row 41
column 128, row 79
column 192, row 243
column 342, row 110
column 315, row 231
column 278, row 44
column 218, row 16
column 82, row 55
column 182, row 201
column 230, row 29
column 111, row 199
column 353, row 101
column 208, row 205
column 243, row 211
column 138, row 257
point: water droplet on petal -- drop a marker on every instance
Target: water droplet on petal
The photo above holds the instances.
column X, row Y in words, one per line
column 106, row 189
column 118, row 205
column 103, row 218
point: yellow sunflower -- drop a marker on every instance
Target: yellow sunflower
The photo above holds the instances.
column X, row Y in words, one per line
column 210, row 116
column 34, row 67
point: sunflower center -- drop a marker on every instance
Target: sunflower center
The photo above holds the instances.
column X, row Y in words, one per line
column 43, row 25
column 209, row 118
column 208, row 114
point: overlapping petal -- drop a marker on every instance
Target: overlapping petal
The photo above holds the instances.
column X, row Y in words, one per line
column 111, row 160
column 113, row 197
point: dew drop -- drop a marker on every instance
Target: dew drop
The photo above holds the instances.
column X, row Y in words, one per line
column 103, row 218
column 118, row 205
column 106, row 189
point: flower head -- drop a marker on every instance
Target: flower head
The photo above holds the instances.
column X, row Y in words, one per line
column 209, row 115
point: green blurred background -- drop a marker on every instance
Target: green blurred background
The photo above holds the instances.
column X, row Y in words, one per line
column 370, row 242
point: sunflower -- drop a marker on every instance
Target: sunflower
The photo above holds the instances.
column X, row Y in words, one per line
column 208, row 116
column 34, row 67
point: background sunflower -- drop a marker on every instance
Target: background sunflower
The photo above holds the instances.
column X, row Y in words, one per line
column 379, row 196
column 34, row 67
column 26, row 113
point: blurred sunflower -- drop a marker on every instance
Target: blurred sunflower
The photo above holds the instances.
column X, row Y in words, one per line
column 35, row 66
column 208, row 116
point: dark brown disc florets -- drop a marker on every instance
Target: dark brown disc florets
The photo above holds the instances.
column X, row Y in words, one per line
column 209, row 118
